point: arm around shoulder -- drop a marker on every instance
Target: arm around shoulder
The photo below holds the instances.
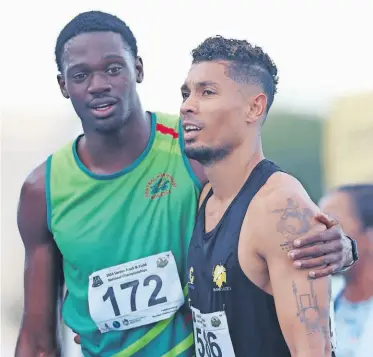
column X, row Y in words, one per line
column 302, row 304
column 42, row 274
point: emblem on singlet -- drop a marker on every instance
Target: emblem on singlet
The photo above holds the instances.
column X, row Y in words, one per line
column 219, row 277
column 191, row 278
column 160, row 185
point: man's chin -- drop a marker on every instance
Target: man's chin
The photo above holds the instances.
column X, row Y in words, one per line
column 205, row 155
column 109, row 125
column 191, row 149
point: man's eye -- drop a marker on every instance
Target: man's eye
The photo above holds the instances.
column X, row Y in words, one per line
column 114, row 70
column 80, row 76
column 208, row 92
column 185, row 95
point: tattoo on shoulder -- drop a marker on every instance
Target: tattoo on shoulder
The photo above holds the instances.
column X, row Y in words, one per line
column 311, row 315
column 294, row 221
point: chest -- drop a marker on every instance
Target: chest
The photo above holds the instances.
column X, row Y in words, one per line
column 212, row 260
column 214, row 212
column 110, row 223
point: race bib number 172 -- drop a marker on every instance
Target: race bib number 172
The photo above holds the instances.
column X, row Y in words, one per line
column 134, row 294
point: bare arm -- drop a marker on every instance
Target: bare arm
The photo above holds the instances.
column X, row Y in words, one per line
column 42, row 276
column 302, row 304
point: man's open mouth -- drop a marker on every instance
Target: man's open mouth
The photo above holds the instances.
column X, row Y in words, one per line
column 188, row 128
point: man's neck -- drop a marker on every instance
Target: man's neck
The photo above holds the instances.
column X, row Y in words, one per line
column 229, row 175
column 360, row 288
column 113, row 152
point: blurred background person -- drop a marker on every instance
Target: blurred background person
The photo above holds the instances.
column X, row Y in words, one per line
column 352, row 206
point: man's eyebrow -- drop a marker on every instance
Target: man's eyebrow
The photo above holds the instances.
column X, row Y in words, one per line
column 114, row 56
column 106, row 57
column 76, row 66
column 205, row 83
column 202, row 84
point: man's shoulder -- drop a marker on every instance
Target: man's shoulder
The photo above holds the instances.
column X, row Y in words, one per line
column 34, row 183
column 167, row 119
column 279, row 187
column 282, row 209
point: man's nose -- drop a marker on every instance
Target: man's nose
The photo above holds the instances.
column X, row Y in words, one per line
column 190, row 105
column 99, row 84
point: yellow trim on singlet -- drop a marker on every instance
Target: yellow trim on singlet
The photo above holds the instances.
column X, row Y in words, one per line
column 153, row 333
column 144, row 340
column 181, row 347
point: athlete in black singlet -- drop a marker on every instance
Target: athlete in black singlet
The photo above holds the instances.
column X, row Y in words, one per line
column 247, row 299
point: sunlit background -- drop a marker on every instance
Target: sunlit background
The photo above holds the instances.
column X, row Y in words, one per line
column 320, row 128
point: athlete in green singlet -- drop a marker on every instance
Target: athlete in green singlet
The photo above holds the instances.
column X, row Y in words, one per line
column 111, row 214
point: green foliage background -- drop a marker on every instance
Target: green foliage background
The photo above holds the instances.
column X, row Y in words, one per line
column 294, row 142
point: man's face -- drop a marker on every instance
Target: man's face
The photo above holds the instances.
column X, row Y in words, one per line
column 99, row 76
column 213, row 113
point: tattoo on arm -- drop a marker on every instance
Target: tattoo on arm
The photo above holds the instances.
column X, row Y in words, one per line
column 293, row 222
column 311, row 315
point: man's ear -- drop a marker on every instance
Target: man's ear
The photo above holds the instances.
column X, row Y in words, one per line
column 139, row 66
column 256, row 108
column 62, row 84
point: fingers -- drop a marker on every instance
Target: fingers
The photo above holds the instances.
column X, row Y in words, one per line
column 77, row 339
column 325, row 219
column 334, row 246
column 329, row 270
column 320, row 262
column 333, row 233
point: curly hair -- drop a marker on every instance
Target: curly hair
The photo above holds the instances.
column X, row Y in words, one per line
column 93, row 21
column 249, row 64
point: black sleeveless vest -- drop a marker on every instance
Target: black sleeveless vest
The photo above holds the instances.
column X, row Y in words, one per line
column 250, row 312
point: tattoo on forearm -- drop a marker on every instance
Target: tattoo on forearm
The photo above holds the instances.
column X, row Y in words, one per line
column 310, row 314
column 294, row 222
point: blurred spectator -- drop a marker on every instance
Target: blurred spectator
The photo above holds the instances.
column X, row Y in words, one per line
column 352, row 205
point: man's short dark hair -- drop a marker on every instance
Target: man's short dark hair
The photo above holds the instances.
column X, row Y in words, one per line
column 93, row 21
column 362, row 199
column 249, row 64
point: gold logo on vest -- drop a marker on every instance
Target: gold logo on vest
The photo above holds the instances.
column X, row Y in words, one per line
column 160, row 185
column 191, row 276
column 219, row 277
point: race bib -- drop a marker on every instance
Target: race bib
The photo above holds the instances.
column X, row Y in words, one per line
column 211, row 334
column 134, row 294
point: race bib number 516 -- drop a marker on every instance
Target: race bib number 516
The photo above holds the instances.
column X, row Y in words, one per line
column 134, row 294
column 211, row 334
